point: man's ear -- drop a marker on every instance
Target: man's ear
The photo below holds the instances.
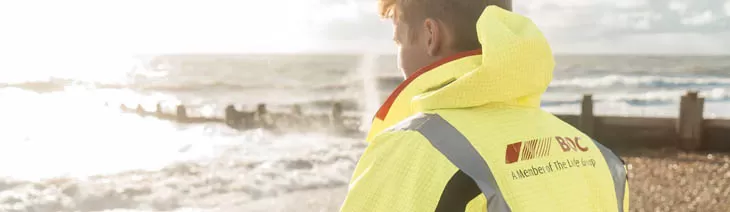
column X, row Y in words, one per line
column 434, row 36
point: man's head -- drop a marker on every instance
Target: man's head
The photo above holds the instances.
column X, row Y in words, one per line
column 428, row 30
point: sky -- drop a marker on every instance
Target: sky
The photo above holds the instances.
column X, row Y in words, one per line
column 51, row 27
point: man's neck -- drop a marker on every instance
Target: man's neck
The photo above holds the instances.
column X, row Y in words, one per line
column 438, row 60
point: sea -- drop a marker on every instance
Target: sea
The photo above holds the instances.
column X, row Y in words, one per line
column 65, row 145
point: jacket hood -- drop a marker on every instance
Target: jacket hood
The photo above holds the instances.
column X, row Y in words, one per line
column 516, row 67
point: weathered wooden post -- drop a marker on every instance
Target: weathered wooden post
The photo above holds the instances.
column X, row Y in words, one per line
column 261, row 108
column 182, row 113
column 587, row 119
column 295, row 119
column 140, row 109
column 336, row 121
column 158, row 109
column 689, row 124
column 247, row 120
column 231, row 116
column 263, row 118
column 296, row 110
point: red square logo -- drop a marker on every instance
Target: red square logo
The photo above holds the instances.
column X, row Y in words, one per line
column 513, row 152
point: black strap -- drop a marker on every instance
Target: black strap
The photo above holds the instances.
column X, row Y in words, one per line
column 459, row 191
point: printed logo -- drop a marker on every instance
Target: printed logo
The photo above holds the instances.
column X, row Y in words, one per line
column 569, row 145
column 529, row 150
column 513, row 152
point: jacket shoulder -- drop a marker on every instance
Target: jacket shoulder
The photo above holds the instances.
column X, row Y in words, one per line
column 415, row 122
column 399, row 171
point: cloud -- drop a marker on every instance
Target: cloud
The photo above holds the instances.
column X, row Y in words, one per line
column 678, row 6
column 700, row 19
column 609, row 26
column 628, row 25
column 334, row 25
column 629, row 4
column 658, row 43
column 635, row 20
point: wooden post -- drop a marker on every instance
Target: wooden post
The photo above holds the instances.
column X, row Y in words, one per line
column 261, row 109
column 296, row 119
column 231, row 116
column 140, row 110
column 336, row 117
column 263, row 118
column 587, row 119
column 247, row 120
column 689, row 124
column 158, row 109
column 182, row 113
column 296, row 110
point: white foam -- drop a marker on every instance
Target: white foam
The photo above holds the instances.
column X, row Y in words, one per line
column 639, row 81
column 67, row 154
column 227, row 179
column 648, row 103
column 370, row 101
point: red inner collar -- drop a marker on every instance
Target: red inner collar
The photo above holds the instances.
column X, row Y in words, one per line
column 383, row 111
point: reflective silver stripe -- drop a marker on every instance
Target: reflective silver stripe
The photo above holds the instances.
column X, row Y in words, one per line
column 616, row 166
column 450, row 142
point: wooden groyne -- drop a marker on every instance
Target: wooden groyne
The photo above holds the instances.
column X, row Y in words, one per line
column 295, row 120
column 690, row 131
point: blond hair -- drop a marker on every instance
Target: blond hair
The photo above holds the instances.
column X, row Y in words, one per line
column 460, row 15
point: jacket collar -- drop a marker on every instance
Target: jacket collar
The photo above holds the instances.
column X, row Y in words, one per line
column 431, row 75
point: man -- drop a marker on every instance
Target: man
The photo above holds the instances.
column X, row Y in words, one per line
column 465, row 131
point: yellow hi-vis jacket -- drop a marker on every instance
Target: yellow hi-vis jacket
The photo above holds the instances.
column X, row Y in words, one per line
column 467, row 134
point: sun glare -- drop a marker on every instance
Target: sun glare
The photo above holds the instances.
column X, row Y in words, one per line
column 102, row 68
column 94, row 40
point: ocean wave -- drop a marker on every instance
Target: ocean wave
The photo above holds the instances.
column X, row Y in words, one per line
column 55, row 85
column 639, row 99
column 390, row 81
column 198, row 86
column 560, row 102
column 43, row 86
column 612, row 81
column 198, row 184
column 59, row 84
column 383, row 82
column 667, row 97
